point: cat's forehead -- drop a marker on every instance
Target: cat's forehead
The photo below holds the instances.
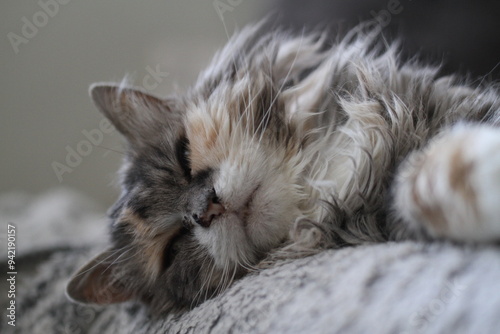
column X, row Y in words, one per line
column 205, row 127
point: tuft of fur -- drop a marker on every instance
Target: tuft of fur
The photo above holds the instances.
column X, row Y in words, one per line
column 287, row 145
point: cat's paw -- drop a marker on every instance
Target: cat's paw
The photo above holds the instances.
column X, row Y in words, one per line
column 452, row 188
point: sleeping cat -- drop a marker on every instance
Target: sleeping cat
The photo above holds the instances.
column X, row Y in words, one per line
column 285, row 146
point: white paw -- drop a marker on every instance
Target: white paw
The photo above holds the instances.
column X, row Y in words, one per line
column 452, row 188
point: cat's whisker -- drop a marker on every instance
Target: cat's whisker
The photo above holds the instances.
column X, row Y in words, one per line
column 215, row 290
column 248, row 111
column 111, row 150
column 245, row 264
column 231, row 280
column 119, row 256
column 205, row 286
column 284, row 81
column 227, row 278
column 224, row 277
column 104, row 260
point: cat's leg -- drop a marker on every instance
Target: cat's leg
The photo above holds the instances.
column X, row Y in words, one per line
column 451, row 188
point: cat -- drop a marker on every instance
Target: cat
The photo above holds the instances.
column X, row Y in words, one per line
column 285, row 146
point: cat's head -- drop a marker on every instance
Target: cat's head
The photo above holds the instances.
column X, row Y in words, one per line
column 212, row 181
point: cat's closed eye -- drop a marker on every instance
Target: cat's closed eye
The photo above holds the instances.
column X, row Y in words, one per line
column 182, row 153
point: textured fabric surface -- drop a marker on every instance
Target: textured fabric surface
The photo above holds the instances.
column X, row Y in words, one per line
column 385, row 288
column 56, row 218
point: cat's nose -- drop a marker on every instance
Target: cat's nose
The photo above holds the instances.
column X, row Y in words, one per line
column 214, row 209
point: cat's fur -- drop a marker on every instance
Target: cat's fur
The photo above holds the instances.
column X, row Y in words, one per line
column 287, row 145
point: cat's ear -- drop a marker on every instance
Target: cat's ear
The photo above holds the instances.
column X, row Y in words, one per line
column 135, row 113
column 98, row 282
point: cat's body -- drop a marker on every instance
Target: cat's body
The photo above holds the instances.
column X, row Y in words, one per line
column 285, row 147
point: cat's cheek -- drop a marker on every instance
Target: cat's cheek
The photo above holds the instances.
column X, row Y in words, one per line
column 273, row 213
column 268, row 232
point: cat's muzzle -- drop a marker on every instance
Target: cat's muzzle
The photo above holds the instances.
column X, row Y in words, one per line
column 214, row 209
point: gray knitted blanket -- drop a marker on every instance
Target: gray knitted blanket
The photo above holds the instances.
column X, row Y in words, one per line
column 384, row 288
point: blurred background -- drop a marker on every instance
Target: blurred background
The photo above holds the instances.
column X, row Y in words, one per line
column 52, row 50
